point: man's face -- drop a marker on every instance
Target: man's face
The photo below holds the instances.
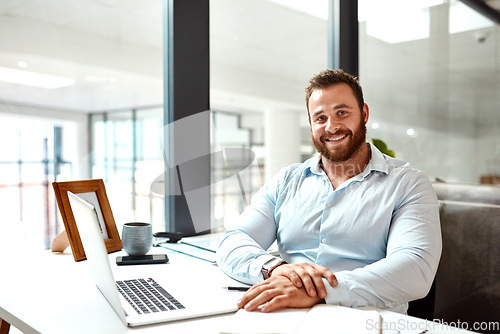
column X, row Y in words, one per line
column 338, row 127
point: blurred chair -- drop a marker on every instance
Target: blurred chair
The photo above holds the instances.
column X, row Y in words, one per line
column 468, row 277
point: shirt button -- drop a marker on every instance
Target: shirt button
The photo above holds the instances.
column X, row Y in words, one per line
column 323, row 240
column 328, row 205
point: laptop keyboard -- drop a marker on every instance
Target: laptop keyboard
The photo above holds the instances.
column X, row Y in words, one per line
column 147, row 296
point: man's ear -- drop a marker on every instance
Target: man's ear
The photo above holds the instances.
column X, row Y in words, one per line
column 366, row 113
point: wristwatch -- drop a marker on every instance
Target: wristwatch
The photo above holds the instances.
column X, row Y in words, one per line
column 270, row 265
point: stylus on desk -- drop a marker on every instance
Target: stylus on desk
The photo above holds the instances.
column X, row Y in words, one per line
column 236, row 288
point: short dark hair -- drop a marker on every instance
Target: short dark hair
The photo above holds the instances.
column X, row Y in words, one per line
column 329, row 78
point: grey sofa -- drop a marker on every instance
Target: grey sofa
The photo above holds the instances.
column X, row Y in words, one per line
column 468, row 277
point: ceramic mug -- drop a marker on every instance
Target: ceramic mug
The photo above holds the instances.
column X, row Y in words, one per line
column 137, row 238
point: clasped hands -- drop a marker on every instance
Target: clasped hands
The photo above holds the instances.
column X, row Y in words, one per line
column 294, row 285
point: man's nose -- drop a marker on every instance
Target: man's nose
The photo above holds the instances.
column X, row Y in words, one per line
column 331, row 125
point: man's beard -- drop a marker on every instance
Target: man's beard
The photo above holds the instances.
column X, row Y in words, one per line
column 347, row 150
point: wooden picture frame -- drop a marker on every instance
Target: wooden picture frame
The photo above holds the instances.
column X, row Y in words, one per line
column 94, row 192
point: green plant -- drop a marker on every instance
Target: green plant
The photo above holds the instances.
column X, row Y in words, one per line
column 382, row 146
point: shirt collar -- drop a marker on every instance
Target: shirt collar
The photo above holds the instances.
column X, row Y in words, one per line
column 377, row 161
column 313, row 165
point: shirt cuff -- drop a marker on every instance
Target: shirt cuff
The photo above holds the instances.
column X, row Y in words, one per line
column 338, row 295
column 256, row 267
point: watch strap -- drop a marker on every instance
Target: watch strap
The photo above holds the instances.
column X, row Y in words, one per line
column 270, row 265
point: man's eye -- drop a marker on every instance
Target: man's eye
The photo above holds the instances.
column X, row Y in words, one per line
column 342, row 112
column 320, row 118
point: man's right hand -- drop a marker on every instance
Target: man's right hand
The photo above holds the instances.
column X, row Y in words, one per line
column 308, row 275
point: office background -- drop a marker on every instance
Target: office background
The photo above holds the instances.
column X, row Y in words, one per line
column 81, row 95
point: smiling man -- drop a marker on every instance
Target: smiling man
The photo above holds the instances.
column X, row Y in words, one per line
column 354, row 227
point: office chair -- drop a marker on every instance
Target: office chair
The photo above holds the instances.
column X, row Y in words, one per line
column 424, row 308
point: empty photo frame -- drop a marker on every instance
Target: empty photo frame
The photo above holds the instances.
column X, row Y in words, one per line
column 94, row 192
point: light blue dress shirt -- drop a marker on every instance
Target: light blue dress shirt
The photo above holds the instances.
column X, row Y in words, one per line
column 379, row 232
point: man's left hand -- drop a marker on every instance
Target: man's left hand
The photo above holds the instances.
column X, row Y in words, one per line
column 276, row 293
column 309, row 275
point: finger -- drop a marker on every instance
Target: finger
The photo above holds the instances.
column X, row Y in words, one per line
column 274, row 304
column 319, row 285
column 288, row 271
column 307, row 281
column 251, row 294
column 262, row 298
column 327, row 273
column 294, row 278
column 331, row 278
column 292, row 297
column 315, row 273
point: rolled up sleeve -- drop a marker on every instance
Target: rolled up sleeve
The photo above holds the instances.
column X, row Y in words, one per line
column 243, row 248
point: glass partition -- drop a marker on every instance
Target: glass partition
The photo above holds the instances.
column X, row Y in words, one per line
column 434, row 97
column 262, row 53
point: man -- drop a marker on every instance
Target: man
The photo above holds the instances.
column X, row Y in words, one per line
column 354, row 227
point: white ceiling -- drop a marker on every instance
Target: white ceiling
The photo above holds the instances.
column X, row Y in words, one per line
column 262, row 55
column 90, row 41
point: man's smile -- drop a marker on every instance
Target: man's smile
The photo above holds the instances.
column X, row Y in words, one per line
column 334, row 139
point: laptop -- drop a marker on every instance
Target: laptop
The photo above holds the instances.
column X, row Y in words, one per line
column 152, row 298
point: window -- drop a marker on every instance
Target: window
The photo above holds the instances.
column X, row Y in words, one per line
column 127, row 155
column 63, row 63
column 38, row 152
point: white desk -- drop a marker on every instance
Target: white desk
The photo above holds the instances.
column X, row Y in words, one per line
column 67, row 301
